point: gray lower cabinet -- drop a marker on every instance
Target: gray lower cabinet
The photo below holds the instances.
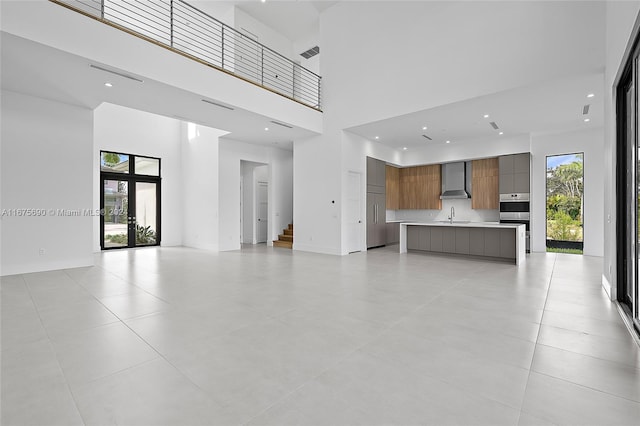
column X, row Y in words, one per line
column 462, row 240
column 436, row 239
column 419, row 238
column 448, row 240
column 492, row 244
column 476, row 241
column 507, row 243
column 393, row 232
column 488, row 242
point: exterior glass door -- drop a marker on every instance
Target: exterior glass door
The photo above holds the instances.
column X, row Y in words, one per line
column 146, row 214
column 130, row 201
column 115, row 225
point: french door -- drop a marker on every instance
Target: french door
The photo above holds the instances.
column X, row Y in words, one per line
column 628, row 189
column 129, row 201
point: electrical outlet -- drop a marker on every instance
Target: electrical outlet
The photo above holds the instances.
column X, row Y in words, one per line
column 42, row 252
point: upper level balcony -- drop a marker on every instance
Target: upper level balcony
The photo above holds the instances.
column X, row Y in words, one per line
column 182, row 28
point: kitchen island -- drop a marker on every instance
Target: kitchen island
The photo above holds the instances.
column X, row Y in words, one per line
column 491, row 240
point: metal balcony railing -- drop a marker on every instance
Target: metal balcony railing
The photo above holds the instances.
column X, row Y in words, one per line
column 185, row 29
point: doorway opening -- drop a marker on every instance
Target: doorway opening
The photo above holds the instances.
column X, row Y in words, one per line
column 254, row 202
column 565, row 203
column 129, row 200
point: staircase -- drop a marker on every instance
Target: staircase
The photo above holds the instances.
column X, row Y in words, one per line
column 285, row 240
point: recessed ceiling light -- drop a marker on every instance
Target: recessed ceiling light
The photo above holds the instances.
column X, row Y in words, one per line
column 108, row 84
column 377, row 137
column 448, row 142
column 586, row 120
column 266, row 129
column 405, row 148
column 424, row 128
column 501, row 133
column 590, row 95
column 486, row 116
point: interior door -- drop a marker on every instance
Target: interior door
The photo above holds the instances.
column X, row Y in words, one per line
column 262, row 211
column 354, row 205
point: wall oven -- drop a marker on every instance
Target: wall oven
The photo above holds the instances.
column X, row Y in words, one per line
column 515, row 208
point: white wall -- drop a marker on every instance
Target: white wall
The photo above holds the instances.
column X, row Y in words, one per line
column 131, row 131
column 46, row 157
column 299, row 46
column 199, row 149
column 266, row 35
column 231, row 154
column 621, row 17
column 591, row 142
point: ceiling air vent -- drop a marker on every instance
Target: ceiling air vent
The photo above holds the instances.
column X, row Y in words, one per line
column 494, row 125
column 281, row 124
column 217, row 104
column 427, row 137
column 121, row 74
column 585, row 109
column 311, row 52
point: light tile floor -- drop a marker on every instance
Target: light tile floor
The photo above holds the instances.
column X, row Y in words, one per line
column 267, row 336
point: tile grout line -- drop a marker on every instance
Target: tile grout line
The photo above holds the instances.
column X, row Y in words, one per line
column 533, row 356
column 160, row 355
column 338, row 361
column 66, row 380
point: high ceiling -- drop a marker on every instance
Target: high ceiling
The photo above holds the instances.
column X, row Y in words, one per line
column 550, row 106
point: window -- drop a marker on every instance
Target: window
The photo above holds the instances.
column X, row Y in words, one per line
column 565, row 203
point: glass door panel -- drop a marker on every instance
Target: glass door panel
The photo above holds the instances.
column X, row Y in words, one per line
column 146, row 214
column 116, row 210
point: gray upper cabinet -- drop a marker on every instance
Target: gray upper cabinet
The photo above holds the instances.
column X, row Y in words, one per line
column 376, row 175
column 515, row 173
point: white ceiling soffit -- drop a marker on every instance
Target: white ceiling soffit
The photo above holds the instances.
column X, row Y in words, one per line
column 71, row 79
column 556, row 105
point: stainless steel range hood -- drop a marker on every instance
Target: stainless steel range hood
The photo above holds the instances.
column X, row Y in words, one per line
column 455, row 181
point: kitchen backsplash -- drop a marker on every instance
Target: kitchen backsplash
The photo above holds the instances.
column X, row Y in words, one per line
column 463, row 212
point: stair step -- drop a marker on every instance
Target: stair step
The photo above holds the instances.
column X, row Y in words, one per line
column 285, row 237
column 291, row 226
column 283, row 244
column 288, row 231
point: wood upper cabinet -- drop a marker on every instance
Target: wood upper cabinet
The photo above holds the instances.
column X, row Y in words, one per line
column 420, row 187
column 485, row 183
column 393, row 188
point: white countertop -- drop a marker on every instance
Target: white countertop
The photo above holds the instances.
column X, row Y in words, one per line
column 467, row 224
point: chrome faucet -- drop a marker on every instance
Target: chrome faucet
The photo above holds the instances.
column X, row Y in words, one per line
column 452, row 215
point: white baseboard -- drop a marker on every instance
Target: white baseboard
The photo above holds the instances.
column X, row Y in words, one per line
column 315, row 249
column 607, row 287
